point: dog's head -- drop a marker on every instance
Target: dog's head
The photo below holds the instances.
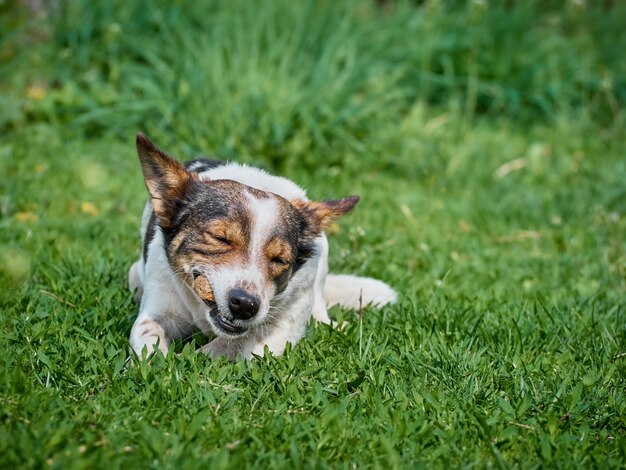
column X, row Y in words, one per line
column 235, row 246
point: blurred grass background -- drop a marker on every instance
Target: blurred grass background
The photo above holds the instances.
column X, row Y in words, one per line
column 283, row 80
column 487, row 140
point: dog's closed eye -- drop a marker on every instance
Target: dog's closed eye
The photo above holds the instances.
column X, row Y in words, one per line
column 225, row 233
column 280, row 261
column 220, row 238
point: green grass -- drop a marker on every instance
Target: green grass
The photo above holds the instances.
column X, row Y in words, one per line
column 489, row 147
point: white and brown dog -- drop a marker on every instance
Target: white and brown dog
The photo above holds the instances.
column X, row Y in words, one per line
column 237, row 253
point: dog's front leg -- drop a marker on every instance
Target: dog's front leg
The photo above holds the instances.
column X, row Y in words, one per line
column 229, row 348
column 148, row 333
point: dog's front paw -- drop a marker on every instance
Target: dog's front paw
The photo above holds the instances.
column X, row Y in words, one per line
column 223, row 347
column 148, row 334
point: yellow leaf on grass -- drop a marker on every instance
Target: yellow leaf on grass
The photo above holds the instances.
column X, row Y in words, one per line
column 26, row 217
column 36, row 92
column 39, row 168
column 89, row 208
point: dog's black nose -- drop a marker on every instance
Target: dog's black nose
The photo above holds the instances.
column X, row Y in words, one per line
column 242, row 305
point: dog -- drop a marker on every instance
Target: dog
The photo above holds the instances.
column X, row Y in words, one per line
column 237, row 253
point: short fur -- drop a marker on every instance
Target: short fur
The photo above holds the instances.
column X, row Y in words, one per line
column 237, row 253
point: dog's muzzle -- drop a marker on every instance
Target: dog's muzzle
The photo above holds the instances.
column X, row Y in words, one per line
column 242, row 306
column 225, row 325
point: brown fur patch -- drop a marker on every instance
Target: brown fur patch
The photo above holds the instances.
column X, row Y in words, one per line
column 177, row 241
column 279, row 256
column 222, row 234
column 202, row 287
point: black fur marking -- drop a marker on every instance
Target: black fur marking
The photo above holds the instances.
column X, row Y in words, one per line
column 306, row 242
column 150, row 232
column 306, row 250
column 168, row 235
column 282, row 281
column 183, row 214
column 199, row 165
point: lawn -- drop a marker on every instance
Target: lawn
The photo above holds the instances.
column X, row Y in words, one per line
column 488, row 143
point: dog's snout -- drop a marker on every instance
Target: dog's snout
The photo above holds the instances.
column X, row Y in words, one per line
column 242, row 305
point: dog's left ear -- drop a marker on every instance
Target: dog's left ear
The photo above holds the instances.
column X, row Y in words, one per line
column 321, row 214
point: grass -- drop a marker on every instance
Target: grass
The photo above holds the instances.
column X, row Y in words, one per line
column 487, row 143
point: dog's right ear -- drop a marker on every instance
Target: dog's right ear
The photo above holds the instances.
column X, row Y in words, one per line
column 166, row 179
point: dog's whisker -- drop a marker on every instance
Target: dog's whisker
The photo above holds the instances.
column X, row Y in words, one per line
column 176, row 273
